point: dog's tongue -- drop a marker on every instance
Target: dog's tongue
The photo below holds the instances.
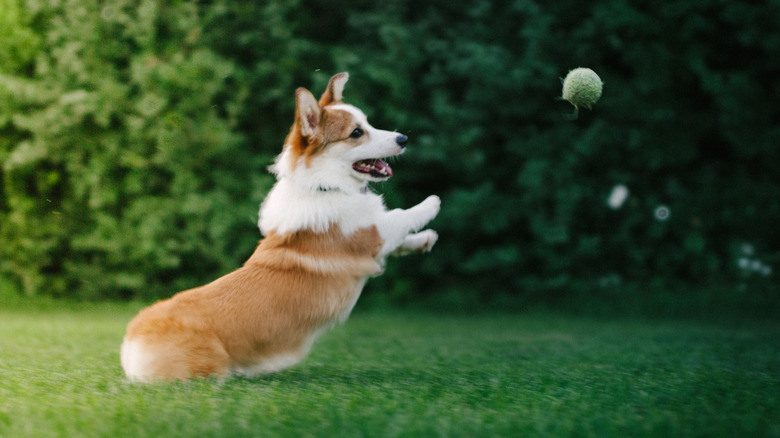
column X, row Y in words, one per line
column 376, row 168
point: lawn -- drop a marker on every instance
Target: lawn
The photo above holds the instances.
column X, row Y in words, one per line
column 406, row 374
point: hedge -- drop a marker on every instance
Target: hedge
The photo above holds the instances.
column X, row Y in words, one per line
column 134, row 138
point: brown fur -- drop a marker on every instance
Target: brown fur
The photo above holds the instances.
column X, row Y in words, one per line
column 338, row 124
column 291, row 286
column 263, row 317
column 332, row 94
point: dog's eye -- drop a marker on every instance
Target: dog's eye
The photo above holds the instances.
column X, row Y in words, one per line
column 357, row 133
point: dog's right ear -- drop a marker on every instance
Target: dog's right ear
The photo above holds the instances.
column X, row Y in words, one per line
column 307, row 113
column 335, row 89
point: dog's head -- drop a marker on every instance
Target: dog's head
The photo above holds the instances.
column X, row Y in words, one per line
column 331, row 144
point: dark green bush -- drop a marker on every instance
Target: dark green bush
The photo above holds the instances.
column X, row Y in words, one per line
column 135, row 138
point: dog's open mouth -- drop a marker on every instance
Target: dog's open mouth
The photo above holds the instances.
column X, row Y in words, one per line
column 375, row 167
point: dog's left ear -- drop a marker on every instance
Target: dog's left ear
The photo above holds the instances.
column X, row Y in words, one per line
column 307, row 113
column 335, row 88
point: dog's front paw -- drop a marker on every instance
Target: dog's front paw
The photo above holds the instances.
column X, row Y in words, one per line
column 429, row 208
column 417, row 243
column 432, row 202
column 426, row 239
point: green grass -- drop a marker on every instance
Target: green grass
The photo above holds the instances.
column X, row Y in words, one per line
column 405, row 375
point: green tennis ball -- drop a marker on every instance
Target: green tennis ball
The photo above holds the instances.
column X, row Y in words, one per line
column 582, row 88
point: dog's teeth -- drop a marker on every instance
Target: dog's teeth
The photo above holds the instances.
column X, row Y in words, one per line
column 375, row 167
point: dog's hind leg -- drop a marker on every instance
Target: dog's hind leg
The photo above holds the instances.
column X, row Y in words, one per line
column 146, row 360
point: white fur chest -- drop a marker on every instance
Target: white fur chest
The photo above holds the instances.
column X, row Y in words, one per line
column 289, row 208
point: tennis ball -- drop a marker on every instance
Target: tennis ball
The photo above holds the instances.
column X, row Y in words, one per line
column 582, row 88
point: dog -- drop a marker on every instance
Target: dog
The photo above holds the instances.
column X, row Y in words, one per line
column 325, row 233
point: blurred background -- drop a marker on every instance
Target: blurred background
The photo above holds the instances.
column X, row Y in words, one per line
column 135, row 136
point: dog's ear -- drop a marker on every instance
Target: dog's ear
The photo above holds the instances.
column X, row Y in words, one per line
column 307, row 113
column 335, row 88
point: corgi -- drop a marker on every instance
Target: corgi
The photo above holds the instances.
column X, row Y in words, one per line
column 325, row 233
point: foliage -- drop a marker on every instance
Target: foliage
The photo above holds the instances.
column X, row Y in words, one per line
column 135, row 136
column 684, row 123
column 126, row 175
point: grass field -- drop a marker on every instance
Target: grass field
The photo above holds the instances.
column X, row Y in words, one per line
column 405, row 375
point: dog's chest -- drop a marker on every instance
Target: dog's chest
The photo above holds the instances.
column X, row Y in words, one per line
column 288, row 208
column 330, row 252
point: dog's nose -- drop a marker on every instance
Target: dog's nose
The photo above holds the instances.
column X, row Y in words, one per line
column 401, row 140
